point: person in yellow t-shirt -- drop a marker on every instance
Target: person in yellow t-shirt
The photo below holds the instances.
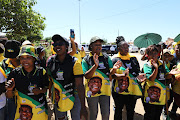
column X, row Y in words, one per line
column 77, row 53
column 52, row 49
column 175, row 87
column 82, row 52
column 1, row 52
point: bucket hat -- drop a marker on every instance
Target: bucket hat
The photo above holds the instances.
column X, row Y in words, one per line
column 94, row 39
column 28, row 50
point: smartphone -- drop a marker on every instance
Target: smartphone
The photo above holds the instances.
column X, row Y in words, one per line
column 72, row 33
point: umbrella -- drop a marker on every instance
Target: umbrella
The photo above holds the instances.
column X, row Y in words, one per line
column 147, row 39
column 177, row 38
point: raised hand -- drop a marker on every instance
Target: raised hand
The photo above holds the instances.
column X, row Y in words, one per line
column 117, row 65
column 141, row 77
column 96, row 60
column 10, row 84
column 126, row 72
column 174, row 71
column 153, row 62
column 72, row 39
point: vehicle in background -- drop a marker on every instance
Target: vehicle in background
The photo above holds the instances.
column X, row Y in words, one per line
column 106, row 48
column 86, row 47
column 133, row 48
column 142, row 51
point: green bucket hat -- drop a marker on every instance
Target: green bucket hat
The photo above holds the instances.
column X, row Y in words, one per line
column 94, row 39
column 27, row 50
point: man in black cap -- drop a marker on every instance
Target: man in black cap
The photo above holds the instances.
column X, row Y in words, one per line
column 66, row 73
column 12, row 48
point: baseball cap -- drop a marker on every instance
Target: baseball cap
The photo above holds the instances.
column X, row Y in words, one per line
column 40, row 49
column 27, row 42
column 57, row 37
column 166, row 51
column 28, row 50
column 94, row 39
column 12, row 48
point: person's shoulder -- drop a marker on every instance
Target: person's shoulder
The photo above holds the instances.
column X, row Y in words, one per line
column 17, row 69
column 105, row 55
column 51, row 58
column 132, row 56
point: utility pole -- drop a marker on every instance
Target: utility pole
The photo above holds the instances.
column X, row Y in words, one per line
column 80, row 21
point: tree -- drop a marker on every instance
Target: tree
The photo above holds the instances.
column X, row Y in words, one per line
column 48, row 38
column 105, row 41
column 83, row 43
column 19, row 20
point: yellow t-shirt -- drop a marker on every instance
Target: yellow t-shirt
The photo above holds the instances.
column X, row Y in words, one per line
column 83, row 53
column 52, row 50
column 78, row 56
column 1, row 57
column 176, row 84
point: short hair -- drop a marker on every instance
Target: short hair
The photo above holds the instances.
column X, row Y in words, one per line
column 96, row 78
column 151, row 48
column 155, row 87
column 27, row 106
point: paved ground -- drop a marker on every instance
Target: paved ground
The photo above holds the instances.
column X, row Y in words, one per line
column 139, row 110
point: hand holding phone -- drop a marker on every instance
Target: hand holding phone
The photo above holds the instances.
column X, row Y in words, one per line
column 72, row 33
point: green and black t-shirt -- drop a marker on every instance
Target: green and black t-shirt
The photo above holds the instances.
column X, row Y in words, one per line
column 63, row 75
column 24, row 84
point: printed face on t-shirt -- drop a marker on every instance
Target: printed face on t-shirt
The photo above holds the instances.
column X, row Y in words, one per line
column 25, row 112
column 154, row 94
column 95, row 85
column 123, row 84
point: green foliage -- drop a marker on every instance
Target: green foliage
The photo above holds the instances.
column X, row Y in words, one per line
column 48, row 38
column 83, row 43
column 105, row 41
column 19, row 20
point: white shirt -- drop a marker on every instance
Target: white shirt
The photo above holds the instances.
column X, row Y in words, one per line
column 2, row 96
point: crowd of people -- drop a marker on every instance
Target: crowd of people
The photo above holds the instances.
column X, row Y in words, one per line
column 71, row 77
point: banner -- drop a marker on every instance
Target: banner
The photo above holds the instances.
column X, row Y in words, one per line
column 28, row 108
column 62, row 97
column 98, row 85
column 155, row 93
column 128, row 85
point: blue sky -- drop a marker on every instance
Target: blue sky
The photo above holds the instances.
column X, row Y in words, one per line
column 107, row 18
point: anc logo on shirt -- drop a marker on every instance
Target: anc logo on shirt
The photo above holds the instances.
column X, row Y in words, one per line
column 60, row 75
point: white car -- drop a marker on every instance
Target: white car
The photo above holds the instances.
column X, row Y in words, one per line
column 86, row 47
column 142, row 51
column 133, row 48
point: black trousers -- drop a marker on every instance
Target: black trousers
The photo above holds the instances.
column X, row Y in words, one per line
column 152, row 112
column 120, row 100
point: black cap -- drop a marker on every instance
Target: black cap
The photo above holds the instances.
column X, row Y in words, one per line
column 12, row 48
column 57, row 37
column 39, row 49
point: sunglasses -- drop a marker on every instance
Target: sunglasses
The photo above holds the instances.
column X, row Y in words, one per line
column 58, row 44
